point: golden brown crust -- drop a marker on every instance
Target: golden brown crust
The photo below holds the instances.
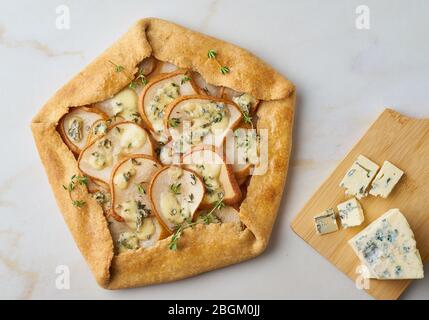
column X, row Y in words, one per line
column 202, row 248
column 87, row 224
column 247, row 73
column 259, row 216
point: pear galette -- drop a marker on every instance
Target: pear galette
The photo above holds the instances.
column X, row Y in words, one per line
column 168, row 155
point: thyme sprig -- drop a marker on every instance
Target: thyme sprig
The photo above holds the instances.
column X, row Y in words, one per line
column 71, row 186
column 212, row 54
column 189, row 224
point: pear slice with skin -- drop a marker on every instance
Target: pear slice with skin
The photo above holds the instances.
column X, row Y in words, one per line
column 148, row 66
column 130, row 182
column 94, row 186
column 176, row 194
column 123, row 104
column 168, row 155
column 150, row 226
column 162, row 68
column 206, row 88
column 217, row 175
column 157, row 94
column 206, row 119
column 245, row 101
column 226, row 214
column 243, row 151
column 100, row 127
column 131, row 206
column 122, row 139
column 74, row 127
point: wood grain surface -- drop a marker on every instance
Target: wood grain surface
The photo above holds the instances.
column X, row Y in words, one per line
column 404, row 142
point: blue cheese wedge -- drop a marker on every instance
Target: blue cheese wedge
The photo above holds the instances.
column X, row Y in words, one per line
column 359, row 177
column 351, row 213
column 388, row 248
column 385, row 180
column 326, row 222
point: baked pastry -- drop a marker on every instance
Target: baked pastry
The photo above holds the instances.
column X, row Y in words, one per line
column 116, row 148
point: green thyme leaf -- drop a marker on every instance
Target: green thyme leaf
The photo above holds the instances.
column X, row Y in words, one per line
column 175, row 188
column 224, row 70
column 119, row 68
column 211, row 54
column 246, row 117
column 82, row 180
column 174, row 122
column 143, row 79
column 141, row 189
column 185, row 79
column 132, row 85
column 78, row 203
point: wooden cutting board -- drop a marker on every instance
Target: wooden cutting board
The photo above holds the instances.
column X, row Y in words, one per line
column 405, row 143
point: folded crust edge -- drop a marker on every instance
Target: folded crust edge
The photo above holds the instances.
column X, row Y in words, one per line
column 98, row 81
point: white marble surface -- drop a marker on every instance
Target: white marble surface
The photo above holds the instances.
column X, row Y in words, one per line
column 345, row 77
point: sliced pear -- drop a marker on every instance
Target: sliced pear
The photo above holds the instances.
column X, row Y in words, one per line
column 168, row 154
column 218, row 177
column 207, row 88
column 125, row 239
column 176, row 194
column 129, row 185
column 245, row 101
column 101, row 194
column 228, row 214
column 147, row 66
column 164, row 67
column 158, row 93
column 123, row 104
column 94, row 186
column 146, row 71
column 131, row 206
column 98, row 129
column 243, row 151
column 101, row 155
column 196, row 120
column 74, row 127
